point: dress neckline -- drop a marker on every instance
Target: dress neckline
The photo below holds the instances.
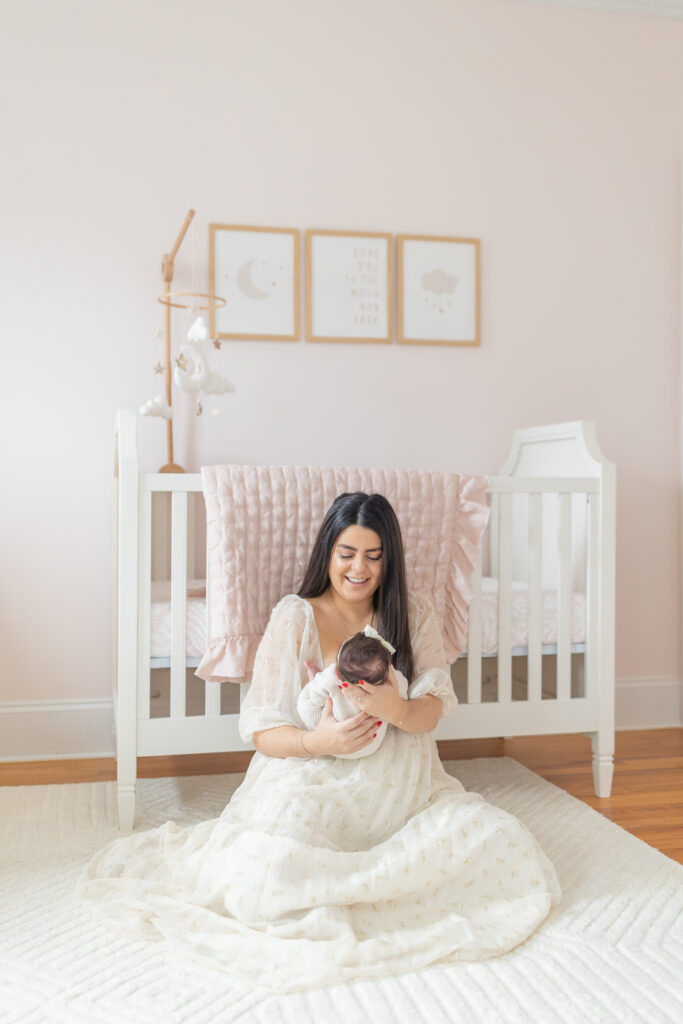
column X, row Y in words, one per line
column 311, row 610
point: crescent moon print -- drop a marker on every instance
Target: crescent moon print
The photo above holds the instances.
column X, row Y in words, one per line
column 257, row 270
column 246, row 284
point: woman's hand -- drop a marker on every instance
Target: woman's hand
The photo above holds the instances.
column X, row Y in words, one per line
column 381, row 700
column 347, row 737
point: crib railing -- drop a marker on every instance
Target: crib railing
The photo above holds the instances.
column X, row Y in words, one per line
column 177, row 732
column 564, row 489
column 536, row 712
column 549, row 505
column 500, row 491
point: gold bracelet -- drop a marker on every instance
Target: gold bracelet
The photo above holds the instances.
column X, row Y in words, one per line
column 301, row 744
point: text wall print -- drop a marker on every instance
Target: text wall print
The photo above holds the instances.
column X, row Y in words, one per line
column 348, row 294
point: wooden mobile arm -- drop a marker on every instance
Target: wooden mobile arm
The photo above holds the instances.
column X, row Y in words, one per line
column 167, row 276
column 167, row 260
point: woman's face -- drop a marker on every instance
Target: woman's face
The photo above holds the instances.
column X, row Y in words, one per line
column 355, row 567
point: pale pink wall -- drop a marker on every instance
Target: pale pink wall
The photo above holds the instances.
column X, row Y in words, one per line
column 554, row 135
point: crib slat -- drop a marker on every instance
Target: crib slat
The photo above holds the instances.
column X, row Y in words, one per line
column 178, row 601
column 505, row 599
column 144, row 602
column 535, row 600
column 564, row 596
column 212, row 698
column 592, row 682
column 212, row 691
column 474, row 639
column 191, row 544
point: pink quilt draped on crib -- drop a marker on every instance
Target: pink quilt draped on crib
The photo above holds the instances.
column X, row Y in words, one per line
column 262, row 522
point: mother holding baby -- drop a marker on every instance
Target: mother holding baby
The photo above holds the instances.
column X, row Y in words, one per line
column 326, row 864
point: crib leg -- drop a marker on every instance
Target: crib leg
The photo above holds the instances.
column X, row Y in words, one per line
column 603, row 762
column 126, row 781
column 126, row 804
column 126, row 759
column 125, row 795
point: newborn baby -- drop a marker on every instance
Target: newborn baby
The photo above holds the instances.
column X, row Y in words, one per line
column 365, row 656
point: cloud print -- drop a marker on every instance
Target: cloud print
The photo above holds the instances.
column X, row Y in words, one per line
column 438, row 281
column 157, row 407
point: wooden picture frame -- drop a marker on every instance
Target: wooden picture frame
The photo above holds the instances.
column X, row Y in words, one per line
column 349, row 286
column 257, row 270
column 438, row 290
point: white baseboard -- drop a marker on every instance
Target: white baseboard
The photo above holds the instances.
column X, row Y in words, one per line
column 649, row 703
column 52, row 730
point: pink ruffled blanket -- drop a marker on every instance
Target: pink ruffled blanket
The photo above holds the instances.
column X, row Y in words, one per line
column 261, row 525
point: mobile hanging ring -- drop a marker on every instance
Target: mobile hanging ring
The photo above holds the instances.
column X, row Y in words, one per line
column 213, row 301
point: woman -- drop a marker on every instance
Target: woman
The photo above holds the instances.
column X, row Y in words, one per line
column 323, row 868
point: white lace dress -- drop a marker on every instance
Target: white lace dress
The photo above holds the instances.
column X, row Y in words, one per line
column 327, row 869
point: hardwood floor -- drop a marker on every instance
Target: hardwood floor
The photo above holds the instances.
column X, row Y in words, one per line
column 647, row 795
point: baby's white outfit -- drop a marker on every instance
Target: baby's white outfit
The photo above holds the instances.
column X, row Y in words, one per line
column 311, row 702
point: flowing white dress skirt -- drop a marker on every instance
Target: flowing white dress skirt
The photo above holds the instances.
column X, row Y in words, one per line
column 323, row 870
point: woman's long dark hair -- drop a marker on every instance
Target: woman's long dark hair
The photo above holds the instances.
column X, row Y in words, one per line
column 390, row 600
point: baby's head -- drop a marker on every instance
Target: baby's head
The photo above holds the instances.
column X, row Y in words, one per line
column 363, row 657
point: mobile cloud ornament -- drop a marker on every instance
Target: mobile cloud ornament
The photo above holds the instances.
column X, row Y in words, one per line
column 198, row 331
column 218, row 385
column 157, row 407
column 192, row 372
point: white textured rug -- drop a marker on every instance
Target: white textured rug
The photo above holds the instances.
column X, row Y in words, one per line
column 613, row 950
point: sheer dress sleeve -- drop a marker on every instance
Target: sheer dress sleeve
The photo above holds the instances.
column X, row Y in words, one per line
column 278, row 670
column 432, row 672
column 311, row 700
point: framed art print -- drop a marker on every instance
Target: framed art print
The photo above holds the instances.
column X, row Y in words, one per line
column 257, row 271
column 348, row 286
column 438, row 290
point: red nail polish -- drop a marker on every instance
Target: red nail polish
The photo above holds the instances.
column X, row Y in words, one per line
column 345, row 684
column 373, row 735
column 379, row 723
column 340, row 687
column 361, row 682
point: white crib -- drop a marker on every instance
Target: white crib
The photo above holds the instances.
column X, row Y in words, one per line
column 544, row 587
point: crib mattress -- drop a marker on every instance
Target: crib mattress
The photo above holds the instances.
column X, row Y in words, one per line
column 520, row 616
column 195, row 620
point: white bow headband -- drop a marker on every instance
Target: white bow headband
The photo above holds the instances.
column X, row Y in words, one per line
column 369, row 631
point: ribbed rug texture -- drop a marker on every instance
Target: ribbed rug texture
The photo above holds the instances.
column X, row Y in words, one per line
column 611, row 952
